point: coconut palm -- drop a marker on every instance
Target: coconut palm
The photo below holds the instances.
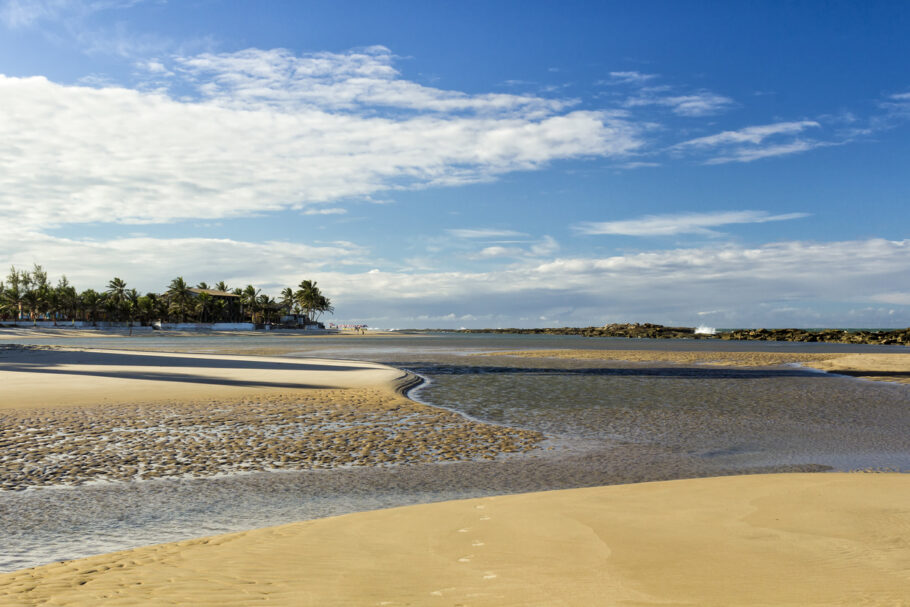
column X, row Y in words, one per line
column 91, row 303
column 204, row 303
column 116, row 298
column 249, row 300
column 178, row 294
column 288, row 300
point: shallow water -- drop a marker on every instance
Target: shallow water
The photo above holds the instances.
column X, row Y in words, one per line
column 608, row 422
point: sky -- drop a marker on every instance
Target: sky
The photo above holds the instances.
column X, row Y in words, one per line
column 470, row 164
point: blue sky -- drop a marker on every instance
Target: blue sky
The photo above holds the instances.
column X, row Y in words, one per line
column 470, row 163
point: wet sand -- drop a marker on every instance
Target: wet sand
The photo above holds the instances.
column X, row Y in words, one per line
column 872, row 366
column 726, row 359
column 71, row 416
column 831, row 539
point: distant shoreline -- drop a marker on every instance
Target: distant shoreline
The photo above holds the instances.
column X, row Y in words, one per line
column 654, row 331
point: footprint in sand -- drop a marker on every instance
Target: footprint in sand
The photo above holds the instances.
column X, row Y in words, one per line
column 466, row 559
column 485, row 518
column 476, row 543
column 489, row 575
column 465, row 530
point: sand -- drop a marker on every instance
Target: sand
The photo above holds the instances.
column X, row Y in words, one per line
column 727, row 359
column 879, row 367
column 37, row 376
column 798, row 539
column 70, row 416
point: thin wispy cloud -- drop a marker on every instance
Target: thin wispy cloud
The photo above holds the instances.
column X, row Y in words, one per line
column 330, row 211
column 484, row 233
column 751, row 134
column 24, row 13
column 683, row 223
column 702, row 103
column 770, row 151
column 629, row 77
column 753, row 142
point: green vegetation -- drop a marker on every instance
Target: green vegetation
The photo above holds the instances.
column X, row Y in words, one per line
column 29, row 295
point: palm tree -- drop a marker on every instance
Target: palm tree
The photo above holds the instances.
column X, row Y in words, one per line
column 222, row 286
column 312, row 300
column 178, row 294
column 12, row 295
column 91, row 303
column 287, row 300
column 204, row 305
column 267, row 305
column 249, row 299
column 131, row 304
column 116, row 295
column 203, row 285
column 66, row 298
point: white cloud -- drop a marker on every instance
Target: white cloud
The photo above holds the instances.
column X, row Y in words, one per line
column 484, row 233
column 703, row 103
column 771, row 284
column 752, row 143
column 21, row 13
column 79, row 154
column 751, row 134
column 545, row 247
column 329, row 211
column 149, row 263
column 683, row 223
column 24, row 13
column 629, row 77
column 363, row 77
column 757, row 153
column 897, row 298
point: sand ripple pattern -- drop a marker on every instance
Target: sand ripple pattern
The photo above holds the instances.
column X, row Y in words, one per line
column 318, row 429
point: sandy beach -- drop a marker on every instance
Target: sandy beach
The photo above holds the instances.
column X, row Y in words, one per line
column 799, row 539
column 779, row 539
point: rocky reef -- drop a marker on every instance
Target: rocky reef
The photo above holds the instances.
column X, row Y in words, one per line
column 653, row 331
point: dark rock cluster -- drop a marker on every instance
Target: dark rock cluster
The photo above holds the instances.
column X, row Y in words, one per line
column 653, row 331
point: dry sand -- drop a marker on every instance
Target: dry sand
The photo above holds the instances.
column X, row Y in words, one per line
column 799, row 539
column 879, row 367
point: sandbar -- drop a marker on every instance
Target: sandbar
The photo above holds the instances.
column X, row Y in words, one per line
column 874, row 366
column 793, row 539
column 70, row 416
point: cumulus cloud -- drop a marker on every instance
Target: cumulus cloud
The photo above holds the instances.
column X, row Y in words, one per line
column 683, row 223
column 768, row 284
column 112, row 154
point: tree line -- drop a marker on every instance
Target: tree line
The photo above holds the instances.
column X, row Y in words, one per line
column 27, row 294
